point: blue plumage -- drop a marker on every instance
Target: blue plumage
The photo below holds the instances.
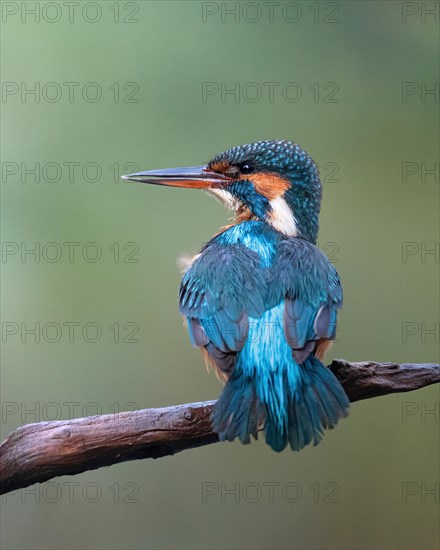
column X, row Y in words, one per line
column 264, row 302
column 260, row 299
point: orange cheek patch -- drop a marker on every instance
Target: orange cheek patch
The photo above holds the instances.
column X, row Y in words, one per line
column 269, row 185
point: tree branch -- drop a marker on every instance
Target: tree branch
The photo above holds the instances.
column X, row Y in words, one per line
column 38, row 452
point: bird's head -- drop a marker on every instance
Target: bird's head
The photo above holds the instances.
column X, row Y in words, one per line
column 272, row 181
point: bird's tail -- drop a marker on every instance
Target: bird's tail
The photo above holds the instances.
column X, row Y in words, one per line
column 238, row 411
column 314, row 403
column 294, row 410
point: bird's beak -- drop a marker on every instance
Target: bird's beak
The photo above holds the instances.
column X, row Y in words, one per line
column 194, row 177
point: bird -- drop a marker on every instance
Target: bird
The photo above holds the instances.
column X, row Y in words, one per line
column 260, row 299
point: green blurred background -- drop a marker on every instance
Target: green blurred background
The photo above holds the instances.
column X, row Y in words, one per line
column 365, row 486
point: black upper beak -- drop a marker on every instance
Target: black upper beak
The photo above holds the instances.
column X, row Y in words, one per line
column 195, row 177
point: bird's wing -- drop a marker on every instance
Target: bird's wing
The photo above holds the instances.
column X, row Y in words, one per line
column 223, row 287
column 304, row 277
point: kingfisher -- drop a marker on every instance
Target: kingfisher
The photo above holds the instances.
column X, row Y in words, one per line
column 260, row 299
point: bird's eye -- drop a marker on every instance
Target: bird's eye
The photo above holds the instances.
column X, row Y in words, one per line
column 246, row 168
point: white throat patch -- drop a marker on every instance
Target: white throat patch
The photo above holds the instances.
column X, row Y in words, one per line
column 282, row 217
column 224, row 197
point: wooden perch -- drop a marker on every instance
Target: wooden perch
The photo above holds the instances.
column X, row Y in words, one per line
column 38, row 452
